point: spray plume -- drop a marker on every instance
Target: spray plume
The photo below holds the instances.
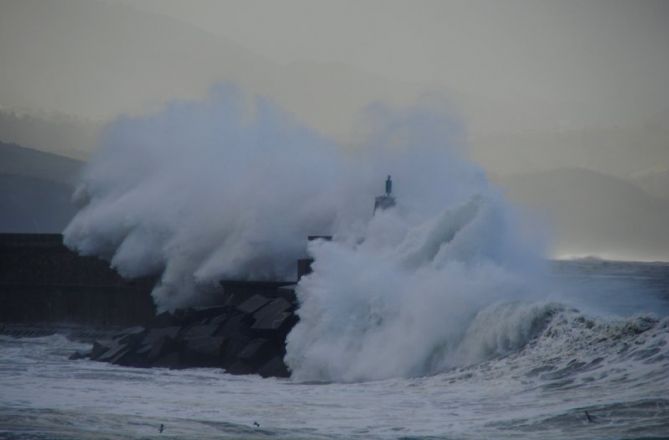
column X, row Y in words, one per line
column 230, row 187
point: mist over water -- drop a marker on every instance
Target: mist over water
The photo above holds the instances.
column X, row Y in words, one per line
column 230, row 187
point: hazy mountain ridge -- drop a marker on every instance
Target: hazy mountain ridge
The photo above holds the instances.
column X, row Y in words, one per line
column 654, row 182
column 604, row 149
column 29, row 204
column 61, row 133
column 112, row 58
column 29, row 162
column 35, row 189
column 594, row 213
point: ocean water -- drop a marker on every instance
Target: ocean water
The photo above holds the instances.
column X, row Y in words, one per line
column 609, row 357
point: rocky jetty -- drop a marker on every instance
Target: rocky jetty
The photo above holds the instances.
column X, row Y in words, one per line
column 246, row 335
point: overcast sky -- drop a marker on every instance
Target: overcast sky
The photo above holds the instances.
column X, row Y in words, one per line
column 595, row 69
column 511, row 69
column 577, row 60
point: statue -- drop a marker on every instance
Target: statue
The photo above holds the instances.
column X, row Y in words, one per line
column 387, row 200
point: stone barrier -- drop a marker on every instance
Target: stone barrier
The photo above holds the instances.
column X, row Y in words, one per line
column 244, row 338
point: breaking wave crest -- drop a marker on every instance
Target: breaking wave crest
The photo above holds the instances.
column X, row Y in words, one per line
column 401, row 301
column 578, row 341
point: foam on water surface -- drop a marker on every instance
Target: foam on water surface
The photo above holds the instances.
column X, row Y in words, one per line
column 614, row 369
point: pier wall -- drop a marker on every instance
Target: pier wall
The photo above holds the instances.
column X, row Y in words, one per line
column 41, row 280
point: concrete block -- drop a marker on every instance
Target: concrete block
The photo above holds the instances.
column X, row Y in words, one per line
column 204, row 348
column 199, row 330
column 275, row 367
column 256, row 350
column 252, row 304
column 113, row 353
column 273, row 315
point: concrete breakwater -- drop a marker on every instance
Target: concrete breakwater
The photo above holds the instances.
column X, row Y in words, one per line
column 42, row 281
column 243, row 338
column 45, row 287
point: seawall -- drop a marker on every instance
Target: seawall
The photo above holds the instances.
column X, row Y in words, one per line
column 41, row 280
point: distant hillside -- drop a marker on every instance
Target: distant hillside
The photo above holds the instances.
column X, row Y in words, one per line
column 655, row 183
column 35, row 189
column 98, row 59
column 29, row 204
column 594, row 213
column 61, row 133
column 21, row 161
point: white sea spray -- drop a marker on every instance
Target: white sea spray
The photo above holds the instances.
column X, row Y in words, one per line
column 230, row 187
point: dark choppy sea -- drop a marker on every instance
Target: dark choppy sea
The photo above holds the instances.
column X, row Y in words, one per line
column 611, row 362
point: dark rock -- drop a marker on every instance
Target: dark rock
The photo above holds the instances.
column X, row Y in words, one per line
column 199, row 331
column 155, row 334
column 165, row 319
column 288, row 293
column 143, row 349
column 171, row 360
column 157, row 342
column 274, row 368
column 248, row 338
column 233, row 345
column 78, row 355
column 178, row 316
column 252, row 304
column 122, row 357
column 220, row 320
column 304, row 267
column 118, row 347
column 238, row 324
column 256, row 350
column 201, row 313
column 204, row 351
column 160, row 347
column 239, row 367
column 130, row 331
column 200, row 347
column 114, row 353
column 273, row 315
column 131, row 335
column 280, row 322
column 98, row 350
column 235, row 298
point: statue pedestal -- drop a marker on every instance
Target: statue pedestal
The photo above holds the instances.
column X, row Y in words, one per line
column 384, row 202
